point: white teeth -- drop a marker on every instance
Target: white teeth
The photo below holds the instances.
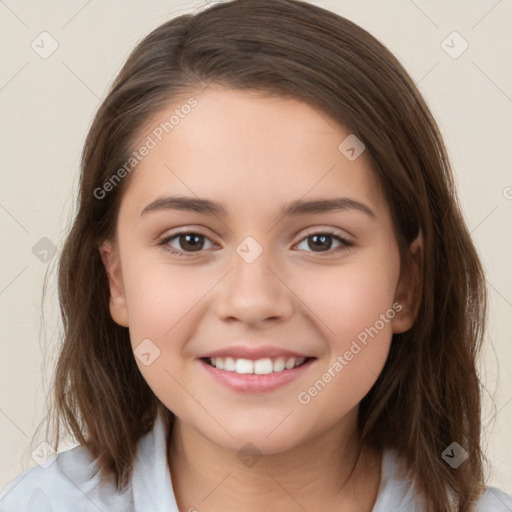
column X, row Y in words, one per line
column 259, row 367
column 229, row 364
column 278, row 365
column 289, row 364
column 263, row 366
column 244, row 366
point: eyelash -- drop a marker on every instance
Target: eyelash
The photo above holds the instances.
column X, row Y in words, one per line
column 345, row 244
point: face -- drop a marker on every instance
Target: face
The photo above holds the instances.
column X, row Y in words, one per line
column 263, row 276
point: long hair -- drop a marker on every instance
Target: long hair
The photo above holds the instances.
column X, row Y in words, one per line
column 428, row 394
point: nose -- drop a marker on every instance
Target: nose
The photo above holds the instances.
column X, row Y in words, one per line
column 254, row 292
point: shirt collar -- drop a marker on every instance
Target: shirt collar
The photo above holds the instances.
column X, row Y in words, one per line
column 152, row 484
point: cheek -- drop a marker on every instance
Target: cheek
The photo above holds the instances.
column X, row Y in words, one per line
column 352, row 297
column 161, row 297
column 355, row 307
column 161, row 302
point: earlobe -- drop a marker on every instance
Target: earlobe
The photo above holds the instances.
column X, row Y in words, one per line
column 112, row 264
column 409, row 288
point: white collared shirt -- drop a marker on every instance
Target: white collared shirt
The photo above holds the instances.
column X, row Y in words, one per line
column 65, row 483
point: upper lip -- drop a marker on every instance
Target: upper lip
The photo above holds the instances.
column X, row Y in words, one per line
column 253, row 353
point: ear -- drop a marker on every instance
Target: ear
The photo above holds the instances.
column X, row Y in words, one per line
column 409, row 287
column 110, row 257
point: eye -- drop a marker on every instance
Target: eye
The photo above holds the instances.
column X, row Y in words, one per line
column 323, row 240
column 188, row 242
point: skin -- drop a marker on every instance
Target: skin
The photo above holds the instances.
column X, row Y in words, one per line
column 254, row 154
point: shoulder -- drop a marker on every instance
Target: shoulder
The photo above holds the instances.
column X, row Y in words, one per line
column 397, row 490
column 69, row 478
column 494, row 500
column 70, row 481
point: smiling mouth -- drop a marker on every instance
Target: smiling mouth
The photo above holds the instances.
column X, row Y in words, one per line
column 262, row 366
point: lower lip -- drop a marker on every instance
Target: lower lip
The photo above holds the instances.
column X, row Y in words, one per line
column 252, row 383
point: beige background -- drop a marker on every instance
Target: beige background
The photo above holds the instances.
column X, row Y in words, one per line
column 48, row 104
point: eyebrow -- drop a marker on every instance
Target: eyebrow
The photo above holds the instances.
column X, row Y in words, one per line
column 292, row 209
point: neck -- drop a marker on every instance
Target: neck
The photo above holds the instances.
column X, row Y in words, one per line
column 313, row 475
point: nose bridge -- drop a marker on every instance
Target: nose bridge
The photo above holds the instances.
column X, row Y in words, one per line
column 251, row 264
column 252, row 292
column 251, row 272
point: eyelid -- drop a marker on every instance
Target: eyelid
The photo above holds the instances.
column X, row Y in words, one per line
column 183, row 231
column 336, row 233
column 330, row 230
column 308, row 232
column 168, row 236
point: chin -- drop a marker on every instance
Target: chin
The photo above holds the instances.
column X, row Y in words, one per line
column 260, row 439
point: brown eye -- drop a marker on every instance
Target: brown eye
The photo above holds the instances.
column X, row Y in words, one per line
column 186, row 242
column 193, row 242
column 322, row 242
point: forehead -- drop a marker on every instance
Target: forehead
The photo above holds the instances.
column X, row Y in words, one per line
column 247, row 150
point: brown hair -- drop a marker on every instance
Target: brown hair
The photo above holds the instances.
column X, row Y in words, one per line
column 428, row 394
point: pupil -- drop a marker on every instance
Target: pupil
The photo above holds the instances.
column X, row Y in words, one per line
column 322, row 239
column 192, row 242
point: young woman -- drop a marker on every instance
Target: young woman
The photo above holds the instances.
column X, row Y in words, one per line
column 269, row 295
